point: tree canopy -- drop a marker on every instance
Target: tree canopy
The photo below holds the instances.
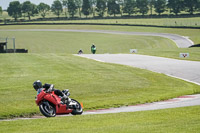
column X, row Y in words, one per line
column 29, row 9
column 142, row 6
column 1, row 11
column 57, row 8
column 176, row 6
column 160, row 6
column 43, row 9
column 72, row 8
column 130, row 7
column 14, row 10
column 190, row 5
column 86, row 8
column 79, row 4
column 101, row 7
column 65, row 5
column 93, row 4
column 113, row 7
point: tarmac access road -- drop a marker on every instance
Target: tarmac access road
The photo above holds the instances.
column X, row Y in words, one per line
column 181, row 41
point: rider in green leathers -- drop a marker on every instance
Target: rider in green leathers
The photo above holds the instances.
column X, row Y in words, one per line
column 93, row 49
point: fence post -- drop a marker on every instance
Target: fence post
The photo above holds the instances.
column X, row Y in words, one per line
column 14, row 44
column 6, row 44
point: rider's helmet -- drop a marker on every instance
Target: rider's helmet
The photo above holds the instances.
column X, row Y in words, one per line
column 37, row 84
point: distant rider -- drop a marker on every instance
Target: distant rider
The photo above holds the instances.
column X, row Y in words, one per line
column 93, row 49
column 80, row 51
column 37, row 85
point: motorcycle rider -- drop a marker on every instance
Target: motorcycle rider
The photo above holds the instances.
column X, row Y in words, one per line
column 93, row 48
column 37, row 85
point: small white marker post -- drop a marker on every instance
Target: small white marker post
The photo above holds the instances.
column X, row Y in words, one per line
column 184, row 55
column 133, row 51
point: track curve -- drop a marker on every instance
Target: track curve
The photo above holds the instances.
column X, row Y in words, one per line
column 182, row 69
column 181, row 41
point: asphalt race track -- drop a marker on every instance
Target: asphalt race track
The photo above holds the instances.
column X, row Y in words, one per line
column 186, row 70
column 181, row 41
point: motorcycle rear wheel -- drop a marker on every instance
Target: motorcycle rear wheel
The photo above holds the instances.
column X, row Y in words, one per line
column 47, row 109
column 77, row 110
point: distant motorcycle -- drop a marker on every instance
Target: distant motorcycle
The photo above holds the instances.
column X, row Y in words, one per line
column 50, row 104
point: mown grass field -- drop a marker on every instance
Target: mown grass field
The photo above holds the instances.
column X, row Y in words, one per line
column 188, row 22
column 96, row 84
column 177, row 120
column 193, row 34
column 69, row 42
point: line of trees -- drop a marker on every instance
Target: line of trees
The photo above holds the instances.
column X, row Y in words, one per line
column 1, row 11
column 100, row 7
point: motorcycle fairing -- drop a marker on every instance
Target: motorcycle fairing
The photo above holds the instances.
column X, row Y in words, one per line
column 53, row 99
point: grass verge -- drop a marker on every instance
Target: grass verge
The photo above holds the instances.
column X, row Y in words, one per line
column 169, row 120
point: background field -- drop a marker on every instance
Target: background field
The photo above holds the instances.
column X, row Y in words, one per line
column 97, row 85
column 190, row 22
column 170, row 120
column 70, row 42
column 159, row 21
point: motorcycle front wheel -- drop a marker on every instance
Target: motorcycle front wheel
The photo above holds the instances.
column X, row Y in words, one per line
column 77, row 109
column 47, row 109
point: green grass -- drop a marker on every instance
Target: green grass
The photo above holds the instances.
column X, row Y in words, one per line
column 70, row 42
column 192, row 33
column 96, row 84
column 177, row 120
column 189, row 22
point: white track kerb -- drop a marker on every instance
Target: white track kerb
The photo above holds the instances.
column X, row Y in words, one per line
column 183, row 101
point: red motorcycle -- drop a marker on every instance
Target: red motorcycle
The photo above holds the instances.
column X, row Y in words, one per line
column 50, row 104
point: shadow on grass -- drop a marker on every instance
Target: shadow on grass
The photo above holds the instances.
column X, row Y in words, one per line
column 196, row 45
